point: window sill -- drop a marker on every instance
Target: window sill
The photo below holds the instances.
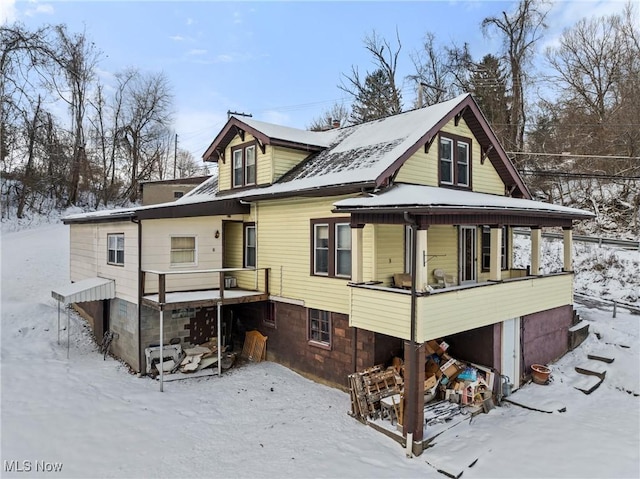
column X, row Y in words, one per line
column 320, row 345
column 121, row 265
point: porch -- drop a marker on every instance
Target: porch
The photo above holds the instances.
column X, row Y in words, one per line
column 450, row 310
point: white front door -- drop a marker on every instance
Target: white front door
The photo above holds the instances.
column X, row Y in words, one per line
column 467, row 254
column 511, row 351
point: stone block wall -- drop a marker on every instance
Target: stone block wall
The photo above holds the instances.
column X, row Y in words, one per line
column 124, row 322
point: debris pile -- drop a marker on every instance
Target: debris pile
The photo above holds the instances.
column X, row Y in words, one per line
column 368, row 387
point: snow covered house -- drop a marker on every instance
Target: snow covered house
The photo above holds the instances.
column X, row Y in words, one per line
column 345, row 247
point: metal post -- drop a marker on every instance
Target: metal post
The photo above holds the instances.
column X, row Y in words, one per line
column 219, row 339
column 161, row 348
column 58, row 322
column 615, row 308
column 68, row 328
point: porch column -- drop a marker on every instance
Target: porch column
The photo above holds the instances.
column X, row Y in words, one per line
column 495, row 265
column 413, row 417
column 356, row 254
column 567, row 238
column 422, row 274
column 536, row 249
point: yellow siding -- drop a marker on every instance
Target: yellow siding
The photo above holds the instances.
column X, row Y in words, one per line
column 451, row 312
column 390, row 252
column 284, row 159
column 89, row 256
column 442, row 251
column 284, row 246
column 422, row 169
column 264, row 164
column 156, row 247
column 381, row 311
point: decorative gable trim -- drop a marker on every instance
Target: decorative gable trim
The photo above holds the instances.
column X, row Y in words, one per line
column 469, row 110
column 236, row 127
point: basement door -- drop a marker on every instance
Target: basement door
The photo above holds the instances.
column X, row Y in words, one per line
column 510, row 356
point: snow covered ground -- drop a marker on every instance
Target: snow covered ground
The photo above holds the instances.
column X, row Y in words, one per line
column 97, row 420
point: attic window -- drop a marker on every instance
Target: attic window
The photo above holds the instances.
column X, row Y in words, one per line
column 244, row 165
column 454, row 161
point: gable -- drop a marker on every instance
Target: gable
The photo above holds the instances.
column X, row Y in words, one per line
column 422, row 167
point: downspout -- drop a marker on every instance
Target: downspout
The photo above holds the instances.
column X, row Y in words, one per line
column 412, row 389
column 140, row 289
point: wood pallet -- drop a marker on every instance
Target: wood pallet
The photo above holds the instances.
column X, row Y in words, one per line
column 368, row 387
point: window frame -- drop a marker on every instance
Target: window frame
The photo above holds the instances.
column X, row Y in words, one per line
column 332, row 225
column 245, row 245
column 323, row 342
column 239, row 152
column 116, row 236
column 485, row 248
column 172, row 250
column 455, row 163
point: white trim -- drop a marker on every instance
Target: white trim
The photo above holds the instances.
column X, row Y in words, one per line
column 195, row 251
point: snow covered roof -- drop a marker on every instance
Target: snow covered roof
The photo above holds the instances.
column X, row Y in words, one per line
column 90, row 289
column 402, row 197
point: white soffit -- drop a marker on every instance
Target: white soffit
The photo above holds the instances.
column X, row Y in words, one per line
column 90, row 289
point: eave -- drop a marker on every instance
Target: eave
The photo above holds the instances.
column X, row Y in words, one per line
column 489, row 144
column 235, row 127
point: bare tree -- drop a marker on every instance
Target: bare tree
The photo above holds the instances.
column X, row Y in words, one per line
column 147, row 114
column 434, row 76
column 520, row 31
column 336, row 116
column 76, row 56
column 377, row 94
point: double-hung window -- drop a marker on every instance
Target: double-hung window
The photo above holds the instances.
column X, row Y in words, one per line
column 486, row 248
column 250, row 246
column 454, row 158
column 331, row 248
column 319, row 327
column 183, row 250
column 244, row 165
column 115, row 249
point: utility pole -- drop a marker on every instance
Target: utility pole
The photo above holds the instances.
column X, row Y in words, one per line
column 175, row 157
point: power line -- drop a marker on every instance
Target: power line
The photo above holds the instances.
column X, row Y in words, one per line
column 569, row 155
column 547, row 173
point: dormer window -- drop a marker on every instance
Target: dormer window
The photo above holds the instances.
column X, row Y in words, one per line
column 454, row 161
column 244, row 165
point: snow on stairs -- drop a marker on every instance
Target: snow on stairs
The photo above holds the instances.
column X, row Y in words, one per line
column 591, row 373
column 578, row 331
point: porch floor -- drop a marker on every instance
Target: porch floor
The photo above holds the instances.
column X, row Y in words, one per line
column 204, row 298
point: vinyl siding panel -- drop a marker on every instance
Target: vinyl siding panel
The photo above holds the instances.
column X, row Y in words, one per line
column 156, row 247
column 446, row 313
column 442, row 251
column 390, row 252
column 284, row 245
column 422, row 168
column 88, row 256
column 284, row 159
column 264, row 164
column 384, row 312
column 455, row 311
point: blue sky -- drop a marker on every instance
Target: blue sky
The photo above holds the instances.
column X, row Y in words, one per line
column 280, row 61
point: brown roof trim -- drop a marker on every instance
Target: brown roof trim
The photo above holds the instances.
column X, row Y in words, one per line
column 476, row 120
column 113, row 218
column 234, row 126
column 187, row 181
column 457, row 218
column 455, row 210
column 316, row 191
column 189, row 210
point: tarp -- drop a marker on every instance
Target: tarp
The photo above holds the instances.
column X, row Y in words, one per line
column 90, row 289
